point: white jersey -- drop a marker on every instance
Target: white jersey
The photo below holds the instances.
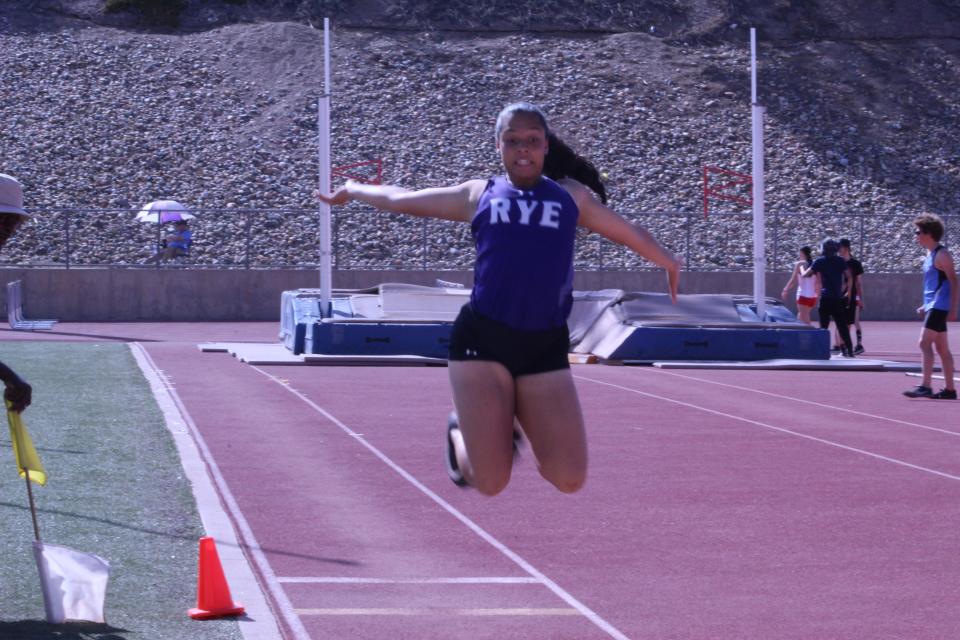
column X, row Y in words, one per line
column 806, row 287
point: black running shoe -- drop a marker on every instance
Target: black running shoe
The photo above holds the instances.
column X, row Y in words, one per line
column 858, row 349
column 518, row 442
column 945, row 394
column 836, row 348
column 919, row 391
column 453, row 467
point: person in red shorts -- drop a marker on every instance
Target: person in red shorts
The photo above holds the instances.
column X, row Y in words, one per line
column 806, row 286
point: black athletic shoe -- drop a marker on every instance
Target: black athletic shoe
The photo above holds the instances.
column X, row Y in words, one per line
column 945, row 394
column 858, row 349
column 518, row 442
column 919, row 391
column 453, row 467
column 836, row 348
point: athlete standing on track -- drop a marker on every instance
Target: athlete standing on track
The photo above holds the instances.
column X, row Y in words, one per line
column 806, row 286
column 829, row 269
column 855, row 299
column 940, row 294
column 509, row 345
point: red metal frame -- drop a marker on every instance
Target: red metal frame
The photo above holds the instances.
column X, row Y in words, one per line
column 343, row 171
column 737, row 180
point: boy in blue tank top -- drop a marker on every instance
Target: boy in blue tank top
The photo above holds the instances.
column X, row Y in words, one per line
column 940, row 293
column 509, row 345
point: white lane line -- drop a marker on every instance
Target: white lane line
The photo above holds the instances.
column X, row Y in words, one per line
column 200, row 468
column 349, row 580
column 446, row 506
column 815, row 404
column 877, row 456
column 437, row 611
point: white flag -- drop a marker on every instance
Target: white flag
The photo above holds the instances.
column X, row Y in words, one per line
column 74, row 583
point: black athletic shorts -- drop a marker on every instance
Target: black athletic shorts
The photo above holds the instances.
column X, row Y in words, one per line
column 936, row 320
column 476, row 337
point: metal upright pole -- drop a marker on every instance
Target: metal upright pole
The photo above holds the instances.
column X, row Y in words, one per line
column 759, row 250
column 323, row 133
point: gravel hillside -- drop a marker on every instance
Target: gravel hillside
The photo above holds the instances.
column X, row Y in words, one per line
column 104, row 111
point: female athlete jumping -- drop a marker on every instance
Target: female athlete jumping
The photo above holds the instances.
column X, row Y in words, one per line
column 508, row 347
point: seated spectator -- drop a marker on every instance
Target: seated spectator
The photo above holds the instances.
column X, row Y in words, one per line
column 175, row 244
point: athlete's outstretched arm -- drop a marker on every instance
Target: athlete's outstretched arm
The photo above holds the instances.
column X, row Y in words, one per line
column 449, row 203
column 596, row 216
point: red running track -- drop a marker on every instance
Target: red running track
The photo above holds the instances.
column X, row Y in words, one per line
column 720, row 504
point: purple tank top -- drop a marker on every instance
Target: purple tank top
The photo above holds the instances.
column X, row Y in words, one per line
column 523, row 277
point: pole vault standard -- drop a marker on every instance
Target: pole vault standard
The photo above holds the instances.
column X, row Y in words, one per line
column 759, row 249
column 323, row 139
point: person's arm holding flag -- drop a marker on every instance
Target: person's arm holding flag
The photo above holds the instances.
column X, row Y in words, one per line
column 18, row 392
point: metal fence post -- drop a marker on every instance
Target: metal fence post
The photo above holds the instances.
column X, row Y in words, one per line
column 863, row 247
column 246, row 254
column 335, row 223
column 424, row 261
column 776, row 239
column 66, row 229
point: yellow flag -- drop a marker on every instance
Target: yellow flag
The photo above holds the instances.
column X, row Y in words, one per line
column 28, row 462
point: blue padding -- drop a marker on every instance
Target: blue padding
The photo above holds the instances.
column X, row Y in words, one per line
column 381, row 339
column 697, row 343
column 298, row 310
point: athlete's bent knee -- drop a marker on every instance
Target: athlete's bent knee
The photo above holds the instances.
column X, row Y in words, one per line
column 568, row 482
column 490, row 485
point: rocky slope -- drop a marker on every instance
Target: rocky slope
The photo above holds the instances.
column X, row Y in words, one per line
column 100, row 111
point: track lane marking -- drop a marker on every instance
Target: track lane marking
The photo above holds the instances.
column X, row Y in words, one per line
column 559, row 591
column 351, row 580
column 810, row 402
column 435, row 611
column 764, row 425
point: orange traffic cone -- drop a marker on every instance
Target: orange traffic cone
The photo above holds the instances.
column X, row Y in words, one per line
column 213, row 594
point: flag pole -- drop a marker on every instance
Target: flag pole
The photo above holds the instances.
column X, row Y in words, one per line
column 323, row 135
column 33, row 509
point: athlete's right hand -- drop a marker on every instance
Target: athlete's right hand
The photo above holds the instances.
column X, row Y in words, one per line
column 339, row 197
column 673, row 278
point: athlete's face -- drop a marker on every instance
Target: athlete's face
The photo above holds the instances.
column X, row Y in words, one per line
column 523, row 146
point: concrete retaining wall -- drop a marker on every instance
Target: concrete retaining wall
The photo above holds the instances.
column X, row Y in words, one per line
column 197, row 295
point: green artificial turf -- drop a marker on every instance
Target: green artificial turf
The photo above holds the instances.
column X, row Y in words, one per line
column 116, row 488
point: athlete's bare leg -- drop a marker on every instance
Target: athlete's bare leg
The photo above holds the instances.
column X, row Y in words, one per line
column 946, row 358
column 549, row 412
column 483, row 393
column 927, row 338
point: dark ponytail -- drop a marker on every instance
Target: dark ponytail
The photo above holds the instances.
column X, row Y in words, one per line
column 808, row 252
column 563, row 162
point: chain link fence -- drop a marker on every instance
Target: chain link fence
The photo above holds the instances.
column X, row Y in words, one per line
column 369, row 240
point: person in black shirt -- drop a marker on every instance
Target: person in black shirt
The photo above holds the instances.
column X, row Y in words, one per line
column 855, row 299
column 830, row 270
